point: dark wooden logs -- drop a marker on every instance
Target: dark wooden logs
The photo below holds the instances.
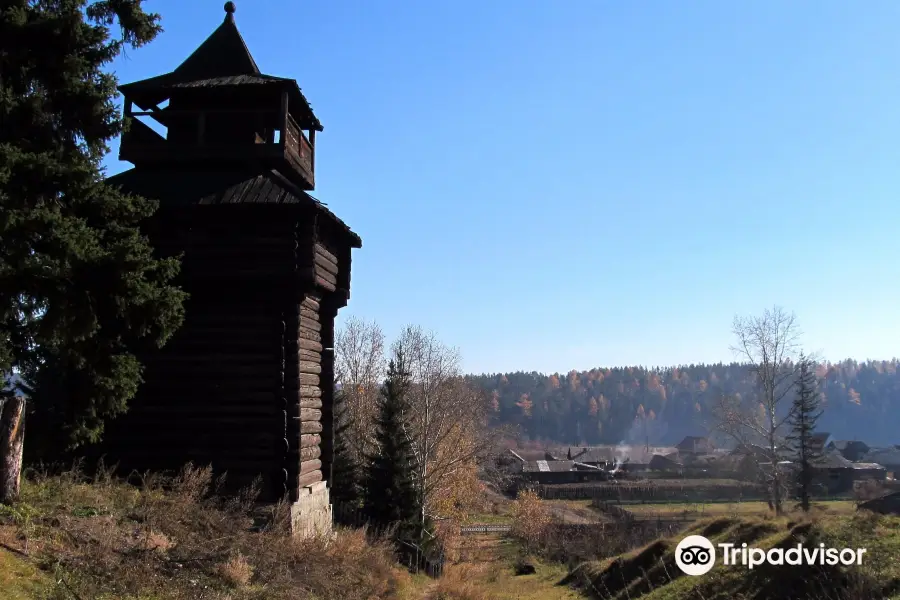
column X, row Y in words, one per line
column 308, row 453
column 310, row 402
column 310, row 440
column 309, row 391
column 309, row 479
column 314, row 345
column 310, row 414
column 310, row 427
column 308, row 466
column 246, row 383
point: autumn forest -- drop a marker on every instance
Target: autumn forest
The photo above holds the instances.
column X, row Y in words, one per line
column 860, row 400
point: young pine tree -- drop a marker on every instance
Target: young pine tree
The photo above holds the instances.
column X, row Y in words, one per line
column 80, row 288
column 345, row 479
column 804, row 414
column 391, row 498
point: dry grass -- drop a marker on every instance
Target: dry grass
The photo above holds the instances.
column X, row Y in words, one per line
column 236, row 571
column 650, row 572
column 174, row 539
column 499, row 582
column 701, row 510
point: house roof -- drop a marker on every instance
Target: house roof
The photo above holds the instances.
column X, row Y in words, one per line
column 820, row 437
column 548, row 466
column 845, row 444
column 222, row 60
column 863, row 465
column 884, row 456
column 194, row 187
column 832, row 460
column 532, row 455
column 598, row 454
column 660, row 461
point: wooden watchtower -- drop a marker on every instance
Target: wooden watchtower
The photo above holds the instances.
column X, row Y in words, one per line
column 247, row 382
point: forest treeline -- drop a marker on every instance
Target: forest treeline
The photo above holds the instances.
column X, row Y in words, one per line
column 860, row 400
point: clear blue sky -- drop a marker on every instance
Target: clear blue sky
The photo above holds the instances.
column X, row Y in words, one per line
column 558, row 185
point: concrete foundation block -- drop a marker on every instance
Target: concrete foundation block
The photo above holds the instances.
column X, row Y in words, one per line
column 311, row 514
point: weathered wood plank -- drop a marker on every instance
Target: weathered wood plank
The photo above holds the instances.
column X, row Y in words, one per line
column 311, row 302
column 321, row 249
column 324, row 283
column 310, row 414
column 310, row 355
column 310, row 325
column 306, row 366
column 323, row 274
column 310, row 403
column 308, row 466
column 307, row 344
column 304, row 454
column 328, row 266
column 306, row 334
column 311, row 439
column 307, row 427
column 309, row 479
column 308, row 313
column 310, row 391
column 309, row 453
column 308, row 379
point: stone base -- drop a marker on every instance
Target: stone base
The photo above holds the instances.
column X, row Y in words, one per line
column 311, row 514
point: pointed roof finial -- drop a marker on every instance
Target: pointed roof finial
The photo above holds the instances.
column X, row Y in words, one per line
column 229, row 10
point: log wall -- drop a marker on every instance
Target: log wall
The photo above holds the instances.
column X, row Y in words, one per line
column 246, row 384
column 303, row 391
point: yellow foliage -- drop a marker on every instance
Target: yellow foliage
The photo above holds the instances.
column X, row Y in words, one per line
column 531, row 517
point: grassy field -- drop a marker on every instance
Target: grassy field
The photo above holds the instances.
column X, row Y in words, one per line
column 718, row 509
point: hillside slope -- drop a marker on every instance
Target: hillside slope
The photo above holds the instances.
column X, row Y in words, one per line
column 651, row 572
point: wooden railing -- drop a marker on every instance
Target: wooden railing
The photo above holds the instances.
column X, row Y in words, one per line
column 143, row 143
column 298, row 149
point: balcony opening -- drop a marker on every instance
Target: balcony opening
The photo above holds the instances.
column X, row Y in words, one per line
column 153, row 124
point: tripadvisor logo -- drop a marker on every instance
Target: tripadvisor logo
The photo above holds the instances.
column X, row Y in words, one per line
column 696, row 555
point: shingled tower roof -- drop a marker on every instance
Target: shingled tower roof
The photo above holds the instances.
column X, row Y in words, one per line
column 222, row 60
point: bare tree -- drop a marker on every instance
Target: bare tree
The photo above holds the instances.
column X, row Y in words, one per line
column 448, row 422
column 770, row 344
column 360, row 369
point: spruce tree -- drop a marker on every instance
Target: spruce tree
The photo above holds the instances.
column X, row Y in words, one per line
column 80, row 288
column 345, row 476
column 391, row 498
column 804, row 415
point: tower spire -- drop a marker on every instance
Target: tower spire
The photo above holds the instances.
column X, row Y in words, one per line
column 230, row 9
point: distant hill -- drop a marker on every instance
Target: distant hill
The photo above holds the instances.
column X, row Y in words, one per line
column 611, row 405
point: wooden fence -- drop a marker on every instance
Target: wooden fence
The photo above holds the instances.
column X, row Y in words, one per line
column 650, row 493
column 474, row 529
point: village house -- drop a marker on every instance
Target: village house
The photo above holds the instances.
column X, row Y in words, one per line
column 669, row 465
column 695, row 445
column 602, row 456
column 819, row 442
column 852, row 450
column 837, row 474
column 550, row 472
column 889, row 458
